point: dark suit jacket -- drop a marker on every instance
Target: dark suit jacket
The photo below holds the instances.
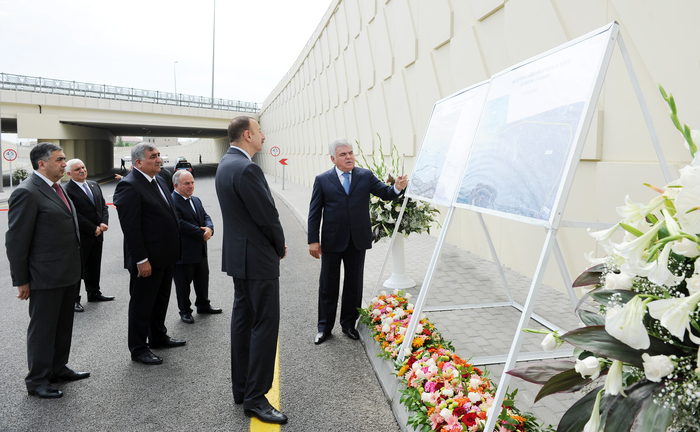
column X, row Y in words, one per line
column 89, row 215
column 42, row 240
column 344, row 215
column 191, row 234
column 253, row 237
column 167, row 176
column 149, row 224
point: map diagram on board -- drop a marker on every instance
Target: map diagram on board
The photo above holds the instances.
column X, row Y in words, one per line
column 446, row 145
column 528, row 131
column 517, row 167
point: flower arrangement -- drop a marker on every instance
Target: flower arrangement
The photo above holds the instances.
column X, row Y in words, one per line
column 19, row 175
column 418, row 216
column 444, row 392
column 644, row 339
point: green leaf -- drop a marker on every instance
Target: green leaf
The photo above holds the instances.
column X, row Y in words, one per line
column 591, row 318
column 653, row 417
column 604, row 297
column 663, row 92
column 578, row 415
column 541, row 372
column 596, row 340
column 590, row 276
column 567, row 381
column 672, row 104
column 624, row 410
column 631, row 229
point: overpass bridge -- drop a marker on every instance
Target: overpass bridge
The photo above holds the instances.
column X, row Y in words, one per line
column 85, row 119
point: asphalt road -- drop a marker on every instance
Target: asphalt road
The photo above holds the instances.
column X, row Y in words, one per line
column 330, row 387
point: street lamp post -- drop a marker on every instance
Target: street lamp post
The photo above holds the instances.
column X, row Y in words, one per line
column 213, row 53
column 175, row 75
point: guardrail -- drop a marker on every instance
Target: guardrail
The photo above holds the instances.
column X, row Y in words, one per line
column 103, row 91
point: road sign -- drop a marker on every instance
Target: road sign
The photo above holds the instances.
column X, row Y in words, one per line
column 9, row 155
column 275, row 151
column 283, row 161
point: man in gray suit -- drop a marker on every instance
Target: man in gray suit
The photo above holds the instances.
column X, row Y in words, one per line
column 43, row 248
column 253, row 245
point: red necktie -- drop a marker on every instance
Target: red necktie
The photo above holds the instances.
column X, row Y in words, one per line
column 59, row 191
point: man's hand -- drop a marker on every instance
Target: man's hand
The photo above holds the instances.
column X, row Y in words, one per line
column 104, row 227
column 23, row 292
column 315, row 250
column 285, row 252
column 98, row 231
column 207, row 233
column 144, row 269
column 401, row 182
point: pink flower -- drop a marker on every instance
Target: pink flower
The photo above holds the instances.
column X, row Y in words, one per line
column 435, row 420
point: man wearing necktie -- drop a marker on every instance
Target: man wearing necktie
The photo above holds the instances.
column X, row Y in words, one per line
column 196, row 228
column 151, row 231
column 340, row 197
column 93, row 217
column 43, row 248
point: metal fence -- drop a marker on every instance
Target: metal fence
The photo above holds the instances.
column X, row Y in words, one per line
column 102, row 91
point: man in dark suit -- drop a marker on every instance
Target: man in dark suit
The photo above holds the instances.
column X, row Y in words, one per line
column 151, row 230
column 93, row 217
column 43, row 248
column 253, row 246
column 196, row 228
column 341, row 197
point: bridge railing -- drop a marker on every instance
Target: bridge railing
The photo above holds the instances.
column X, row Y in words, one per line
column 103, row 91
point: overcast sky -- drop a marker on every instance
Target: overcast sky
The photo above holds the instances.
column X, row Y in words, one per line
column 134, row 43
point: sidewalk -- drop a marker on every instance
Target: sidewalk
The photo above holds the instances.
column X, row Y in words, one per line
column 462, row 277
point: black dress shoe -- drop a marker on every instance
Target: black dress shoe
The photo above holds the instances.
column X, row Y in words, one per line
column 321, row 337
column 267, row 414
column 78, row 308
column 187, row 318
column 46, row 392
column 147, row 358
column 167, row 343
column 352, row 333
column 99, row 297
column 69, row 375
column 209, row 310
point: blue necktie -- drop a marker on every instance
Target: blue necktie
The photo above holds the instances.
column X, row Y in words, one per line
column 346, row 183
column 88, row 192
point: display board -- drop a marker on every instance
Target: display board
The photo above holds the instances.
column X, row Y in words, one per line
column 446, row 145
column 525, row 140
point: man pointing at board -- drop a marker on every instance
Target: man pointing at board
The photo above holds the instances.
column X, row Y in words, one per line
column 341, row 197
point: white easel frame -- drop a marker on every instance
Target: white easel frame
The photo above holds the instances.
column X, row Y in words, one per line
column 550, row 244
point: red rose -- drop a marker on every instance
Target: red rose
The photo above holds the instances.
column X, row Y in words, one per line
column 469, row 419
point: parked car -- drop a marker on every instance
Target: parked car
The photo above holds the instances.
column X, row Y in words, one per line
column 181, row 159
column 183, row 166
column 165, row 159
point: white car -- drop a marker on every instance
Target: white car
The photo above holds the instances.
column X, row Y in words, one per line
column 165, row 159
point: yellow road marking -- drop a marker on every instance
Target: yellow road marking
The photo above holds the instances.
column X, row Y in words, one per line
column 273, row 396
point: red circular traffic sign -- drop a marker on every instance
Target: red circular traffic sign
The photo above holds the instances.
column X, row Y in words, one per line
column 9, row 155
column 275, row 151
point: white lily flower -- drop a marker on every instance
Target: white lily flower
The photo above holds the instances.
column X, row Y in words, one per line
column 374, row 200
column 656, row 367
column 627, row 325
column 590, row 257
column 604, row 236
column 594, row 422
column 387, row 206
column 657, row 271
column 590, row 366
column 690, row 176
column 631, row 212
column 687, row 199
column 613, row 382
column 633, row 250
column 686, row 247
column 622, row 281
column 674, row 313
